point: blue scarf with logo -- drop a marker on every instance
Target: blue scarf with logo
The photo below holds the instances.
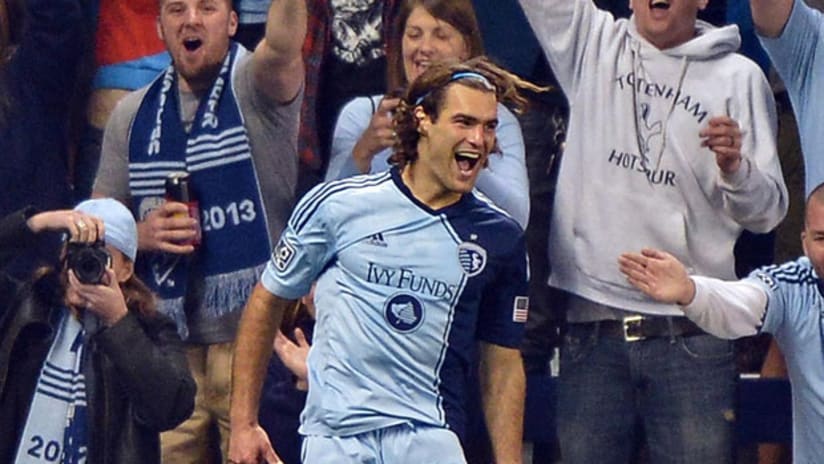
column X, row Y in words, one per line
column 56, row 429
column 216, row 153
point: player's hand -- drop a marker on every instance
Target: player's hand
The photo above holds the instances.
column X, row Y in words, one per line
column 723, row 136
column 294, row 356
column 81, row 227
column 379, row 135
column 658, row 274
column 168, row 229
column 250, row 445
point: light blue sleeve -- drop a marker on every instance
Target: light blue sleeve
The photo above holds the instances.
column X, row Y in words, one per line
column 798, row 56
column 505, row 180
column 252, row 11
column 798, row 51
column 304, row 249
column 351, row 124
column 776, row 290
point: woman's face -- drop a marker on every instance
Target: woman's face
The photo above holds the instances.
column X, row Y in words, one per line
column 428, row 40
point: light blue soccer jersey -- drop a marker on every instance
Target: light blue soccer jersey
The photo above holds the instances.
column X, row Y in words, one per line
column 403, row 294
column 795, row 316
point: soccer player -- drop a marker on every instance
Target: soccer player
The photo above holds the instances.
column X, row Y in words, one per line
column 413, row 269
column 783, row 300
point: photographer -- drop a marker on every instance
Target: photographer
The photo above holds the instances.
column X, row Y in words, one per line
column 89, row 372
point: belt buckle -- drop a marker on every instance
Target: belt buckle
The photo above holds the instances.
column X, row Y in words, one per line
column 632, row 328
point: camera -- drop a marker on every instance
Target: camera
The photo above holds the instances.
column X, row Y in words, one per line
column 89, row 261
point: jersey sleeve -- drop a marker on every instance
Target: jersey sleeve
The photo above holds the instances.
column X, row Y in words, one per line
column 505, row 303
column 305, row 247
column 793, row 53
column 771, row 280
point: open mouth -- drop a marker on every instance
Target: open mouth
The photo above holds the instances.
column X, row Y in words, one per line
column 192, row 44
column 659, row 4
column 422, row 65
column 467, row 160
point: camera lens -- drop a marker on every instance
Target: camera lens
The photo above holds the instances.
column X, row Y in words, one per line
column 89, row 269
column 89, row 262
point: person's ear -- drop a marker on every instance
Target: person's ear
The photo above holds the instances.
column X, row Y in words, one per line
column 233, row 23
column 804, row 242
column 159, row 29
column 124, row 272
column 423, row 120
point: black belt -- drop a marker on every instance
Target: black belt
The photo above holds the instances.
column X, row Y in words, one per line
column 635, row 328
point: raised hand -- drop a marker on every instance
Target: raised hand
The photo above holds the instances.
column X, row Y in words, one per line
column 723, row 136
column 81, row 227
column 379, row 135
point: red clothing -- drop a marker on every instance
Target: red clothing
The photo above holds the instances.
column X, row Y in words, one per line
column 127, row 30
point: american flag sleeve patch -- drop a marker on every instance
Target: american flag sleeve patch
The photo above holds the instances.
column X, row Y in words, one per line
column 520, row 309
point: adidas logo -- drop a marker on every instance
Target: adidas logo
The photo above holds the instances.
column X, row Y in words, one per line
column 376, row 240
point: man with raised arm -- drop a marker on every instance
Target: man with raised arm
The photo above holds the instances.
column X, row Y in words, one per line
column 671, row 144
column 228, row 119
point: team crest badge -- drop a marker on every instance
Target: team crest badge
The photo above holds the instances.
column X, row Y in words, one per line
column 283, row 254
column 403, row 312
column 472, row 258
column 767, row 279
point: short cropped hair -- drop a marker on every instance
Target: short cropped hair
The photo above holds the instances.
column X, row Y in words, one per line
column 817, row 196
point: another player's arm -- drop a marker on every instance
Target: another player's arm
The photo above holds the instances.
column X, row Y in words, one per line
column 724, row 309
column 503, row 387
column 770, row 16
column 258, row 325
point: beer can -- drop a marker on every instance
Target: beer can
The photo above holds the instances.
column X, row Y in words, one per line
column 179, row 188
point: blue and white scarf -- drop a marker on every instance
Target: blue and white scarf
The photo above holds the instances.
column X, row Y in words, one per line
column 217, row 155
column 56, row 429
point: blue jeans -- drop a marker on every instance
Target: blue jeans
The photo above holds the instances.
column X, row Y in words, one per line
column 679, row 390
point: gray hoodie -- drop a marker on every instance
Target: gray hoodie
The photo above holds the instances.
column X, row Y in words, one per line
column 634, row 173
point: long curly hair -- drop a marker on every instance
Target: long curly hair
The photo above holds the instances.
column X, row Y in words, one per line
column 429, row 92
